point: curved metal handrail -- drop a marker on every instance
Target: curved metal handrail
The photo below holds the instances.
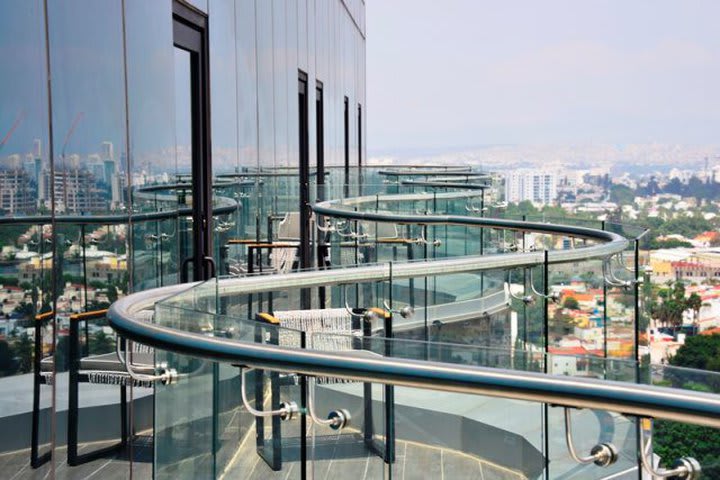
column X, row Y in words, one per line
column 333, row 208
column 112, row 218
column 625, row 398
column 441, row 184
column 630, row 399
column 428, row 172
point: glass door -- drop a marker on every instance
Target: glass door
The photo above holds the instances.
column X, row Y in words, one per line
column 192, row 124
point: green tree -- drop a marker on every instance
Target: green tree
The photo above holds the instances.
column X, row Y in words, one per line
column 112, row 294
column 8, row 281
column 670, row 310
column 24, row 353
column 622, row 194
column 700, row 352
column 62, row 353
column 571, row 303
column 7, row 364
column 101, row 342
column 560, row 325
column 25, row 309
column 515, row 210
column 695, row 303
column 627, row 300
column 655, row 244
column 590, row 279
column 674, row 440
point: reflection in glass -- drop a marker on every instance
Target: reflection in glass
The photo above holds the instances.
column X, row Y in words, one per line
column 25, row 262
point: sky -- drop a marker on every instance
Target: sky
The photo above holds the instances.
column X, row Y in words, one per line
column 465, row 73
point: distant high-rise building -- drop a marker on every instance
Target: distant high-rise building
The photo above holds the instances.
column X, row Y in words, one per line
column 107, row 151
column 37, row 148
column 96, row 166
column 33, row 167
column 76, row 191
column 536, row 186
column 109, row 171
column 17, row 194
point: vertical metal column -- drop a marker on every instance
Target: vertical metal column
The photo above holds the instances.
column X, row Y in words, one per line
column 306, row 257
column 303, row 415
column 85, row 289
column 636, row 349
column 525, row 319
column 636, row 293
column 73, row 386
column 604, row 317
column 36, row 460
column 368, row 428
column 425, row 281
column 546, row 338
column 389, row 389
column 346, row 138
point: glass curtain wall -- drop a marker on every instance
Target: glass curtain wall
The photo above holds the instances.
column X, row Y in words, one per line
column 95, row 198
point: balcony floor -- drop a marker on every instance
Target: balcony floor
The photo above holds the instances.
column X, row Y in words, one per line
column 16, row 465
column 344, row 455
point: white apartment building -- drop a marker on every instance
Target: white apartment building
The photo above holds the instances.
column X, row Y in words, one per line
column 537, row 186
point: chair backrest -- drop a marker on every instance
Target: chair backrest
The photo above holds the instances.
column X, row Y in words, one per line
column 282, row 259
column 336, row 322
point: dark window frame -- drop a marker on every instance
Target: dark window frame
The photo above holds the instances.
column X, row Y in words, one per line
column 190, row 33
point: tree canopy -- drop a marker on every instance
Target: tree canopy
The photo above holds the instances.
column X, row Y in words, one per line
column 674, row 440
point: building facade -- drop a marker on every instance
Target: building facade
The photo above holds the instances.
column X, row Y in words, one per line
column 103, row 142
column 531, row 185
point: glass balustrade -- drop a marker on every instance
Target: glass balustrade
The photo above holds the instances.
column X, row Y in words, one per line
column 394, row 431
column 527, row 316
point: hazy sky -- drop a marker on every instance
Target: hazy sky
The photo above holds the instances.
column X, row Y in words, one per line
column 462, row 73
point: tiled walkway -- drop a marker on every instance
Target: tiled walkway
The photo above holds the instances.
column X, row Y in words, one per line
column 16, row 465
column 345, row 456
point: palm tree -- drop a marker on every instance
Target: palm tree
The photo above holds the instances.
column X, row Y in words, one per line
column 101, row 343
column 25, row 309
column 24, row 353
column 695, row 303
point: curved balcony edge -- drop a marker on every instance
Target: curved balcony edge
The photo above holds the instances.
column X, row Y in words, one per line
column 624, row 398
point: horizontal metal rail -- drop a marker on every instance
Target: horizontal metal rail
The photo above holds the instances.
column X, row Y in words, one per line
column 334, row 208
column 371, row 200
column 188, row 186
column 631, row 399
column 608, row 243
column 340, row 208
column 434, row 172
column 111, row 219
column 91, row 315
column 624, row 398
column 441, row 184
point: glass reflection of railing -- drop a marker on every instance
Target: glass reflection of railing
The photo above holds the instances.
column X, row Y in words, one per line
column 56, row 270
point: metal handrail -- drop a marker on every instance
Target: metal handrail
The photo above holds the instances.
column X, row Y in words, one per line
column 333, row 208
column 440, row 184
column 111, row 218
column 626, row 398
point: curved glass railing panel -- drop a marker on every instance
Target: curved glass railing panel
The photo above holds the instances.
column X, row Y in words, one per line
column 236, row 307
column 590, row 426
column 201, row 421
column 512, row 433
column 510, row 307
